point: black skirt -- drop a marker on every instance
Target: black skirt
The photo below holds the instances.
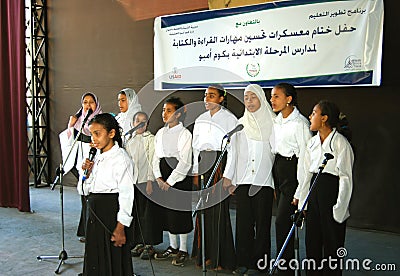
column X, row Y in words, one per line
column 219, row 246
column 146, row 229
column 101, row 256
column 176, row 215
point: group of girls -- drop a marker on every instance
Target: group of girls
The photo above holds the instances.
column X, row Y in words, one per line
column 274, row 157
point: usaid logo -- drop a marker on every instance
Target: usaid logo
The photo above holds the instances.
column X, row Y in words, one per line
column 174, row 74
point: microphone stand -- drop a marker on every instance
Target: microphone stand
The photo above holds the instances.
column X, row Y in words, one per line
column 59, row 172
column 200, row 203
column 297, row 219
column 203, row 243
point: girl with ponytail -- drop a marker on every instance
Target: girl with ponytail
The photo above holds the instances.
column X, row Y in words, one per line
column 328, row 204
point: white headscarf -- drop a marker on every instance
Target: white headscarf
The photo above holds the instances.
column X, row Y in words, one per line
column 125, row 119
column 258, row 124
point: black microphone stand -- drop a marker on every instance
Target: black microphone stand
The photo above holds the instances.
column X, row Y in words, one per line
column 297, row 219
column 59, row 173
column 200, row 203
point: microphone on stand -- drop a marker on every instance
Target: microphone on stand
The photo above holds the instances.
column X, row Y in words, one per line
column 140, row 125
column 233, row 131
column 328, row 157
column 92, row 154
column 90, row 112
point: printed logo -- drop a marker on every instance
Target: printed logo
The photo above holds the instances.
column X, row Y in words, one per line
column 352, row 63
column 253, row 68
column 174, row 74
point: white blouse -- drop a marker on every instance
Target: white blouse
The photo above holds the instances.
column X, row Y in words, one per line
column 290, row 137
column 141, row 149
column 208, row 133
column 341, row 165
column 173, row 142
column 113, row 173
column 256, row 161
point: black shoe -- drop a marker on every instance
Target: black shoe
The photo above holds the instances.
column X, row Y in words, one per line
column 180, row 258
column 252, row 272
column 241, row 270
column 137, row 250
column 147, row 253
column 169, row 252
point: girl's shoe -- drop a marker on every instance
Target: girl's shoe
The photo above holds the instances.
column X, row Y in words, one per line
column 147, row 253
column 137, row 250
column 169, row 252
column 180, row 258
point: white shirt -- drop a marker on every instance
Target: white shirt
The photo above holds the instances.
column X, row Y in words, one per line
column 208, row 133
column 80, row 151
column 173, row 142
column 341, row 165
column 289, row 137
column 141, row 149
column 256, row 161
column 113, row 173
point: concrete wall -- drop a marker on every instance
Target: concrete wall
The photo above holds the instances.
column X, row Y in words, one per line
column 95, row 46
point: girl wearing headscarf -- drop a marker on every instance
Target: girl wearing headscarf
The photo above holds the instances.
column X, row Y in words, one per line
column 80, row 150
column 128, row 103
column 254, row 182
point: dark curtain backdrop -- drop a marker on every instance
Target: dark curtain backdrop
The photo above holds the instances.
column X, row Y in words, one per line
column 14, row 184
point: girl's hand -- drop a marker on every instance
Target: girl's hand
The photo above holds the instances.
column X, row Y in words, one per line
column 118, row 236
column 226, row 183
column 196, row 180
column 149, row 187
column 87, row 165
column 165, row 186
column 295, row 201
column 231, row 189
column 160, row 182
column 72, row 121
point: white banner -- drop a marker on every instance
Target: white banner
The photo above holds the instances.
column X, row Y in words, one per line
column 307, row 43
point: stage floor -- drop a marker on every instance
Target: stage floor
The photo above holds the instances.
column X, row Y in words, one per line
column 24, row 236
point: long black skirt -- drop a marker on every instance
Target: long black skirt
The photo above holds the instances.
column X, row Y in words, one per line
column 82, row 220
column 324, row 235
column 101, row 256
column 146, row 225
column 219, row 246
column 176, row 216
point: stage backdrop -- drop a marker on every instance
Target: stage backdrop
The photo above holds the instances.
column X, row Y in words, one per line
column 335, row 43
column 105, row 50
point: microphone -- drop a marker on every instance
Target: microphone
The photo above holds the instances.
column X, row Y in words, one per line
column 140, row 125
column 328, row 157
column 92, row 154
column 233, row 131
column 90, row 111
